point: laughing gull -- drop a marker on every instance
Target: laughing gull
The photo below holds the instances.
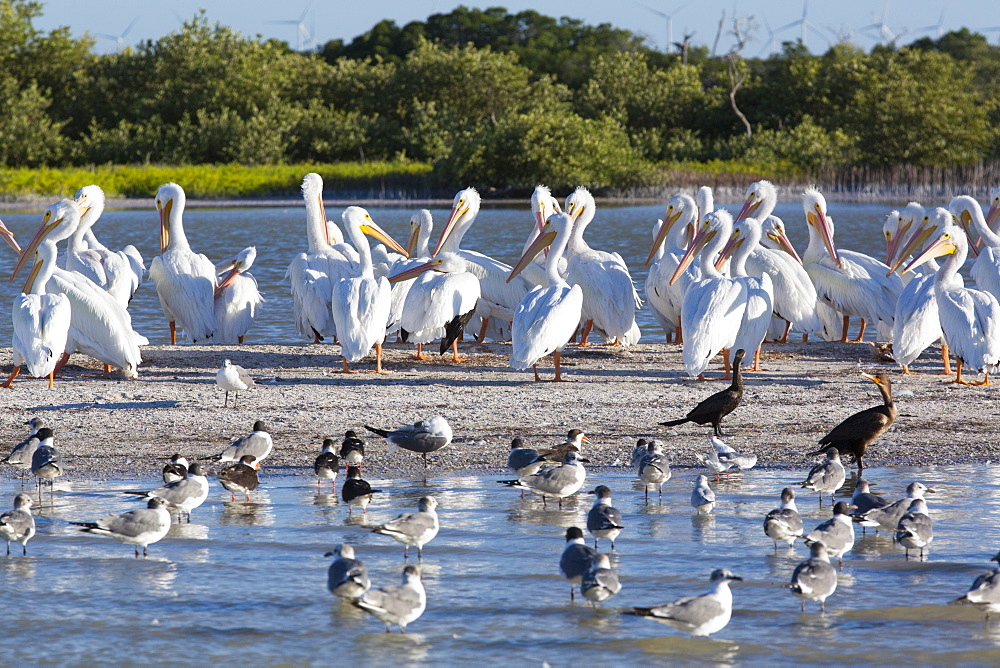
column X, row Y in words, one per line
column 836, row 534
column 175, row 469
column 423, row 436
column 45, row 460
column 826, row 476
column 863, row 501
column 397, row 604
column 347, row 576
column 523, row 461
column 355, row 491
column 702, row 496
column 184, row 495
column 258, row 443
column 784, row 523
column 233, row 378
column 728, row 456
column 20, row 456
column 241, row 477
column 327, row 465
column 985, row 591
column 604, row 520
column 638, row 452
column 710, row 460
column 576, row 558
column 352, row 449
column 698, row 615
column 556, row 482
column 814, row 579
column 18, row 525
column 887, row 518
column 915, row 529
column 599, row 582
column 654, row 468
column 140, row 527
column 417, row 528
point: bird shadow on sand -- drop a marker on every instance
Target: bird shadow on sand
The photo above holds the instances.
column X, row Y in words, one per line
column 112, row 405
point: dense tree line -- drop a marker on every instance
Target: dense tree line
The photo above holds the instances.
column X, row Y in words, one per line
column 489, row 98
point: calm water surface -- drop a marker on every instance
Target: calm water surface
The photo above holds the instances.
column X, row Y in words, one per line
column 279, row 234
column 245, row 582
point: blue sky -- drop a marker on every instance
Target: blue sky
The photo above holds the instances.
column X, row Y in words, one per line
column 322, row 21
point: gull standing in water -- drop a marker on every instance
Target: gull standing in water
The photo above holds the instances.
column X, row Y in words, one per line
column 984, row 592
column 604, row 520
column 396, row 604
column 887, row 517
column 915, row 529
column 556, row 482
column 654, row 468
column 347, row 576
column 241, row 477
column 46, row 461
column 423, row 436
column 233, row 378
column 702, row 496
column 784, row 523
column 836, row 534
column 140, row 527
column 184, row 495
column 416, row 529
column 599, row 582
column 698, row 615
column 523, row 461
column 258, row 443
column 18, row 525
column 20, row 456
column 576, row 558
column 826, row 476
column 815, row 579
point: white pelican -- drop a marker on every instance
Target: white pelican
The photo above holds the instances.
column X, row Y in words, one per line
column 706, row 201
column 743, row 242
column 671, row 241
column 440, row 302
column 609, row 297
column 546, row 318
column 986, row 269
column 500, row 296
column 185, row 280
column 852, row 283
column 969, row 318
column 236, row 298
column 99, row 326
column 417, row 248
column 360, row 302
column 918, row 322
column 713, row 307
column 118, row 272
column 543, row 205
column 41, row 321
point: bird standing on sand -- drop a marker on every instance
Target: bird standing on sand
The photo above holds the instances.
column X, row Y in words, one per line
column 857, row 432
column 604, row 520
column 712, row 409
column 327, row 464
column 576, row 558
column 233, row 378
column 827, row 476
column 599, row 582
column 698, row 615
column 836, row 534
column 258, row 443
column 240, row 477
column 423, row 436
column 355, row 491
column 915, row 530
column 784, row 523
column 815, row 579
column 984, row 592
column 702, row 496
column 417, row 528
column 347, row 576
column 140, row 527
column 397, row 604
column 18, row 525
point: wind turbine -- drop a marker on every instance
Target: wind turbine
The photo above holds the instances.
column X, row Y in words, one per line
column 120, row 39
column 805, row 24
column 303, row 35
column 769, row 44
column 886, row 36
column 937, row 28
column 670, row 21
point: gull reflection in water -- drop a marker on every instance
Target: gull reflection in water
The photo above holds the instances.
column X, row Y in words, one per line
column 242, row 513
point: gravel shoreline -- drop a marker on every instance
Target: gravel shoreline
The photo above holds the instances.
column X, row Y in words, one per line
column 116, row 428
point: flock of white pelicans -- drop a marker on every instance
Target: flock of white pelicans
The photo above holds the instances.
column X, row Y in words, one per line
column 716, row 283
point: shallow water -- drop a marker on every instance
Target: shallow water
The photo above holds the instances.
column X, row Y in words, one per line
column 279, row 234
column 245, row 582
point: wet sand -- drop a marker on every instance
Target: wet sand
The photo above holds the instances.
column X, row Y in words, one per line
column 118, row 428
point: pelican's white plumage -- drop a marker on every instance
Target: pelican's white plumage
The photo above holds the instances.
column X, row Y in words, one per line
column 670, row 242
column 185, row 280
column 118, row 272
column 986, row 269
column 760, row 292
column 99, row 325
column 713, row 307
column 236, row 298
column 546, row 318
column 609, row 296
column 543, row 205
column 361, row 302
column 852, row 283
column 970, row 319
column 421, row 226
